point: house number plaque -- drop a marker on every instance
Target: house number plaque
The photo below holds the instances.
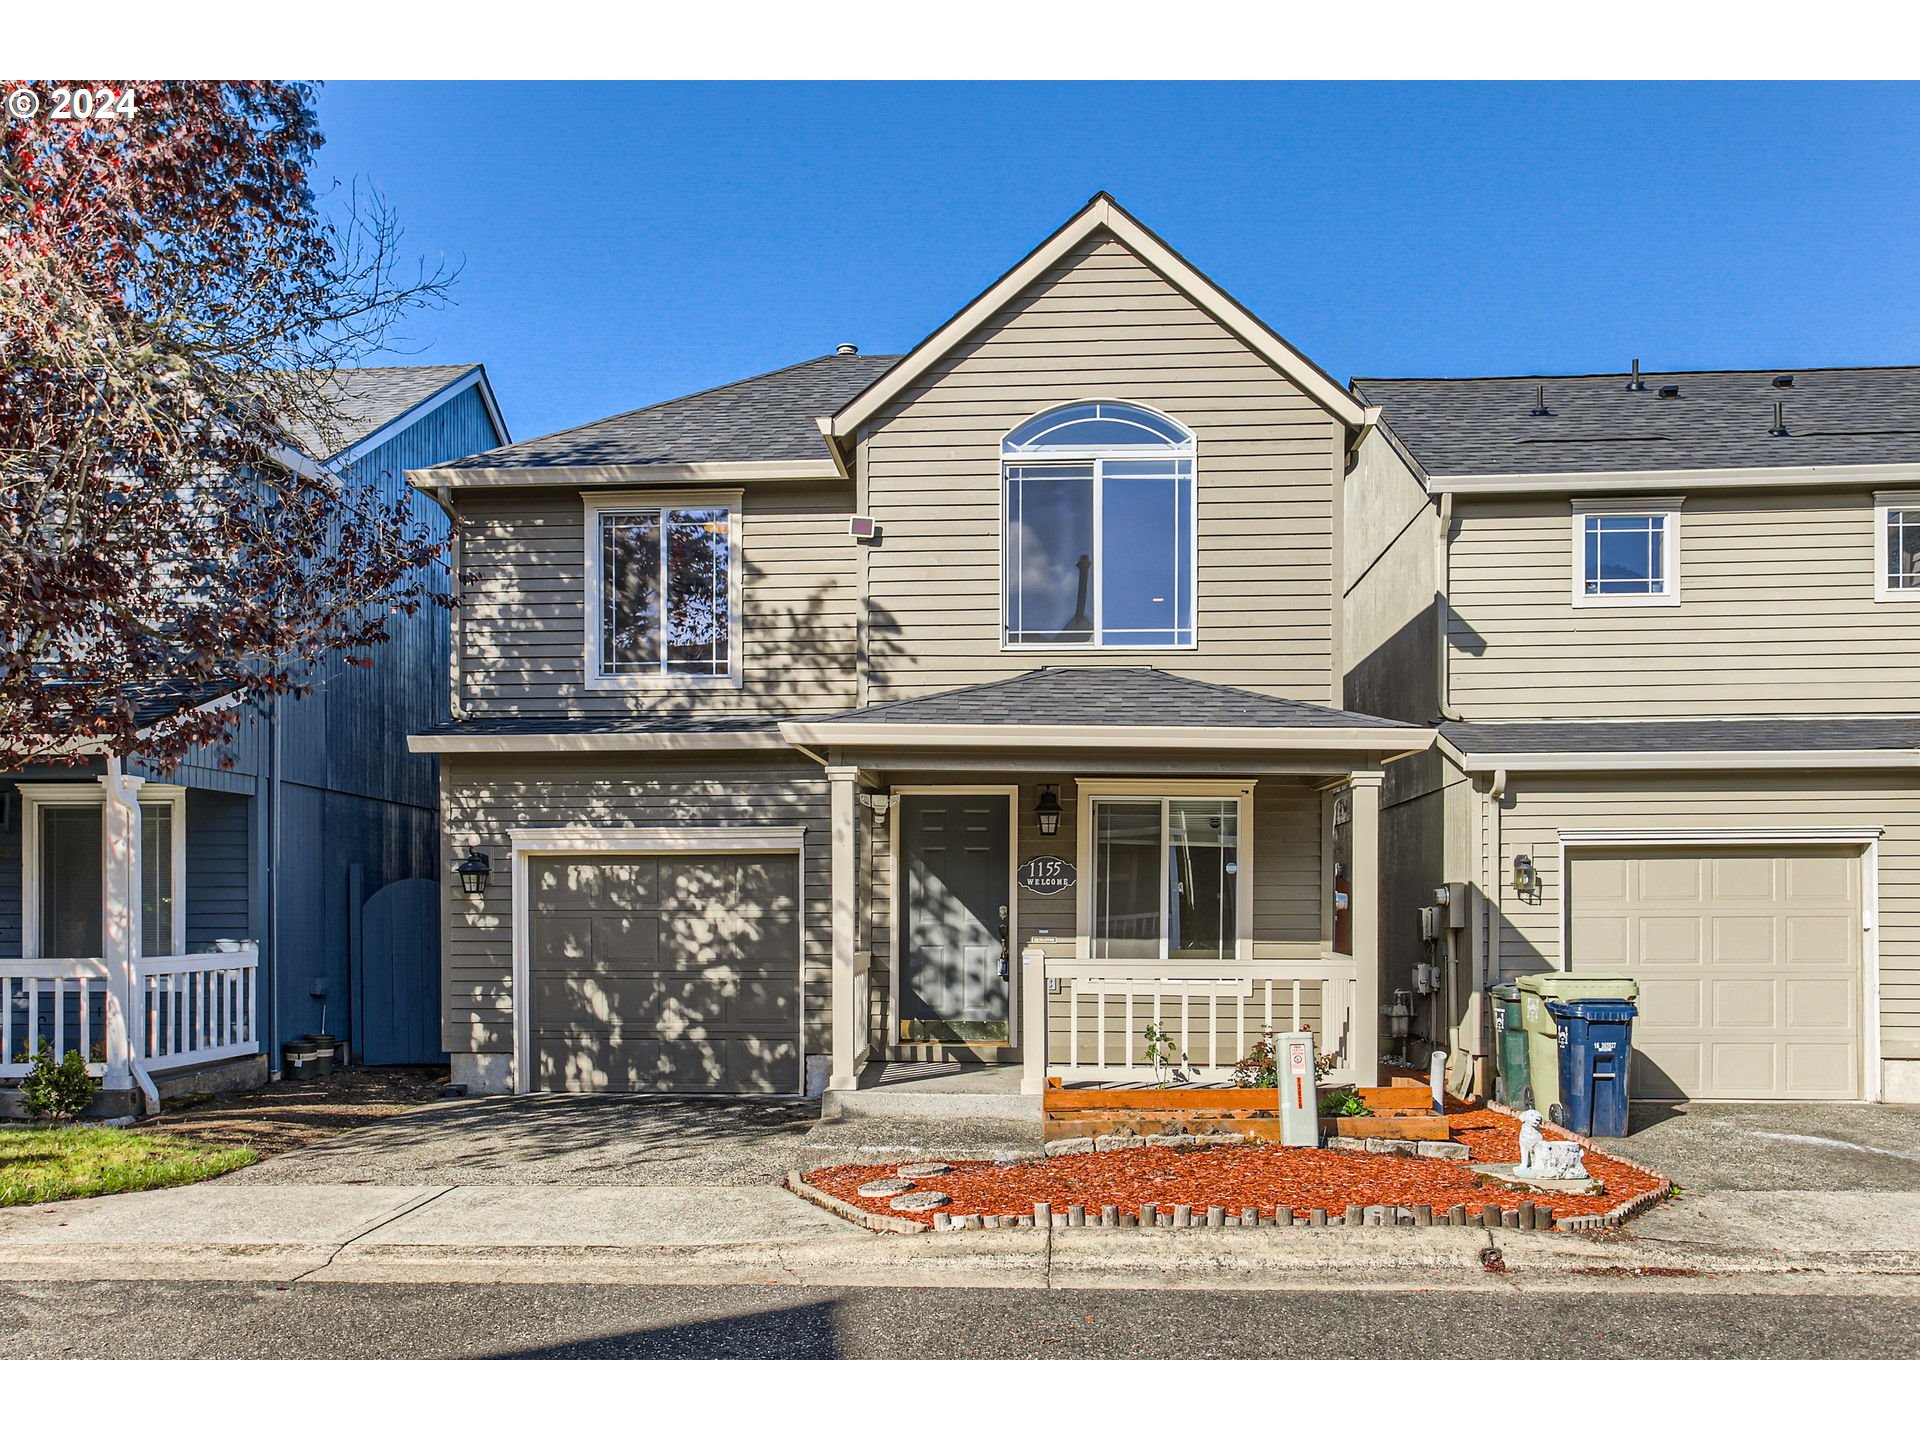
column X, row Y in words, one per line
column 1046, row 875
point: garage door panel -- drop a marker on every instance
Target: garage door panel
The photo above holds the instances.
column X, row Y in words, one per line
column 693, row 988
column 1749, row 963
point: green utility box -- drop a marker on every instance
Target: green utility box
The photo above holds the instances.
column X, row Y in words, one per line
column 1509, row 1047
column 1542, row 1089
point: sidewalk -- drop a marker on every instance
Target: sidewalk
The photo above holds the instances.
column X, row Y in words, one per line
column 565, row 1234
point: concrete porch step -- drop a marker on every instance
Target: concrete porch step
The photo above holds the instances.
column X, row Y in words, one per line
column 940, row 1091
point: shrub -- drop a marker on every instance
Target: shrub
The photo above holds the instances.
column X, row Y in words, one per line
column 1344, row 1101
column 1260, row 1069
column 57, row 1089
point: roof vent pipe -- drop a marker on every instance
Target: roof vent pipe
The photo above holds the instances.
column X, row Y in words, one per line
column 1636, row 383
column 1779, row 418
column 846, row 349
column 1540, row 401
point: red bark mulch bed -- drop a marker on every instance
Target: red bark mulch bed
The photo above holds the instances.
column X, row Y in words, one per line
column 1238, row 1176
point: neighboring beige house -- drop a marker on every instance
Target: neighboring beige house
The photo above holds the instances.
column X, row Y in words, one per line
column 977, row 703
column 1678, row 698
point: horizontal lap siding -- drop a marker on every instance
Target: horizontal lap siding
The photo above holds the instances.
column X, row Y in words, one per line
column 484, row 800
column 219, row 869
column 524, row 608
column 1530, row 936
column 1776, row 616
column 1103, row 324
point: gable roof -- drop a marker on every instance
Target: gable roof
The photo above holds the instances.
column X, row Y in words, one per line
column 369, row 399
column 1102, row 212
column 763, row 418
column 1485, row 429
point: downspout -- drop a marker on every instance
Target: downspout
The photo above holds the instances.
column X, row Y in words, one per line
column 129, row 887
column 1442, row 582
column 273, row 884
column 1496, row 792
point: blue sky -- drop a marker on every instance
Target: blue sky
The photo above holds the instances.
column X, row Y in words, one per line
column 625, row 243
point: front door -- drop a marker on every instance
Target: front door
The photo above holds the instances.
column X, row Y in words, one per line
column 953, row 918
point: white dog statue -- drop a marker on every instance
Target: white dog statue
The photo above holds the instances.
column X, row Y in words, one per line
column 1544, row 1159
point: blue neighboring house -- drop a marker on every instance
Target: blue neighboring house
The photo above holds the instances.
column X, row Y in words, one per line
column 178, row 926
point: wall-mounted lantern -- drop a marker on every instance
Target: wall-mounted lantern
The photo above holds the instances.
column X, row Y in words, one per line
column 474, row 871
column 1526, row 879
column 1046, row 814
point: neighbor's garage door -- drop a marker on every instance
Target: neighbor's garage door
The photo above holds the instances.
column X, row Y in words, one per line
column 1749, row 965
column 677, row 973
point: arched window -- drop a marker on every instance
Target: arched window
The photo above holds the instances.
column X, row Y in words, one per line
column 1098, row 542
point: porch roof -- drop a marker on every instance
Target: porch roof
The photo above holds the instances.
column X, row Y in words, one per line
column 501, row 734
column 1107, row 706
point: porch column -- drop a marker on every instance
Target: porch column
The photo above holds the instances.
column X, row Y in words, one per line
column 1363, row 891
column 120, row 917
column 841, row 782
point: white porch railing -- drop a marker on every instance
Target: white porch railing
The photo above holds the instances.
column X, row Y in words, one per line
column 1086, row 1020
column 195, row 1009
column 63, row 1002
column 184, row 1010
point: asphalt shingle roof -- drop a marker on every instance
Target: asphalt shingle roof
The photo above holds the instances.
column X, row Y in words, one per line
column 1719, row 420
column 373, row 396
column 767, row 417
column 1106, row 695
column 1614, row 737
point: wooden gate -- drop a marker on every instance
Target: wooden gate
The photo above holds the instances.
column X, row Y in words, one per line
column 396, row 973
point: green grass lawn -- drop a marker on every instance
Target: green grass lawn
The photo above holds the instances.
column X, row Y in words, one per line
column 37, row 1165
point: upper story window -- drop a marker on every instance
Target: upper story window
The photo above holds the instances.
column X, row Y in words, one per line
column 663, row 582
column 1626, row 552
column 1098, row 545
column 1897, row 575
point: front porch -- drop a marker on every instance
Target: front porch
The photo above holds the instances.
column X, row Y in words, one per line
column 102, row 964
column 1061, row 901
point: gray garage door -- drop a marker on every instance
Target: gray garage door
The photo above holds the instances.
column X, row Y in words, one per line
column 677, row 973
column 1749, row 963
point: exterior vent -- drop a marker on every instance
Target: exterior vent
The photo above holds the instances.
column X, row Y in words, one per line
column 1669, row 392
column 1783, row 382
column 1540, row 400
column 846, row 349
column 1636, row 383
column 1779, row 418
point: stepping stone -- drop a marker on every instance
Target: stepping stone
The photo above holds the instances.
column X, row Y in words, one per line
column 925, row 1170
column 881, row 1189
column 920, row 1200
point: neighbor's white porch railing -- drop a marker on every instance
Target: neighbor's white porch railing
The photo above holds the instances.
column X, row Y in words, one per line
column 195, row 1009
column 63, row 1002
column 1086, row 1020
column 184, row 1010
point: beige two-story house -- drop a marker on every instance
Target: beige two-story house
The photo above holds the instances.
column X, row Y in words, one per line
column 1669, row 627
column 980, row 703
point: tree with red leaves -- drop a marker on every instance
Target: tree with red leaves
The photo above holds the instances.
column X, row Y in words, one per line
column 174, row 302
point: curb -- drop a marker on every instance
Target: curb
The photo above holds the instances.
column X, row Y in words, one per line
column 880, row 1224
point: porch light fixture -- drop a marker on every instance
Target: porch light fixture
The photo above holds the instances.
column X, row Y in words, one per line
column 474, row 871
column 1047, row 813
column 1526, row 880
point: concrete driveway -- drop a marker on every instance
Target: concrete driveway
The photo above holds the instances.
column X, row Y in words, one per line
column 601, row 1140
column 1841, row 1181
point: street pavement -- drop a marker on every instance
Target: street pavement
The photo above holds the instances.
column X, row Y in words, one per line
column 198, row 1320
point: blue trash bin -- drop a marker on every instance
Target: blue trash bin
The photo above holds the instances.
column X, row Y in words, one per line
column 1596, row 1044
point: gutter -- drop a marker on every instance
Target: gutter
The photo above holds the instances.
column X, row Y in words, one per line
column 1576, row 762
column 1395, row 743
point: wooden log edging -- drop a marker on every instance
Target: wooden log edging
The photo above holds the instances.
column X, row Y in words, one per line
column 1619, row 1215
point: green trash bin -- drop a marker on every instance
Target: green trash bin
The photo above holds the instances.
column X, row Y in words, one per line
column 1509, row 1046
column 1542, row 1090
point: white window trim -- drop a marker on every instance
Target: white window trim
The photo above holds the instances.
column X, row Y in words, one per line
column 1883, row 502
column 606, row 842
column 1094, row 455
column 1090, row 791
column 1666, row 506
column 35, row 797
column 598, row 503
